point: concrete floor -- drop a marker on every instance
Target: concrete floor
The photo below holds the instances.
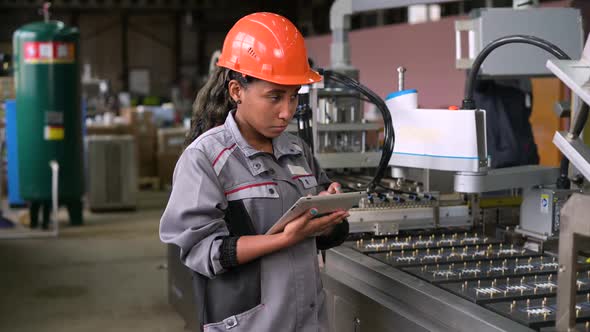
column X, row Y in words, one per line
column 108, row 275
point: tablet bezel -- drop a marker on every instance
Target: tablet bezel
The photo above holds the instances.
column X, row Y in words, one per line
column 324, row 204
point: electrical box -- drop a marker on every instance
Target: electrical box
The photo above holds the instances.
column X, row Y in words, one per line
column 540, row 211
column 112, row 172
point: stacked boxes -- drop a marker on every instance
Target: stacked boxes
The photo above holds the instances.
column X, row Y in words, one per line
column 144, row 131
column 7, row 88
column 115, row 129
column 157, row 149
column 170, row 146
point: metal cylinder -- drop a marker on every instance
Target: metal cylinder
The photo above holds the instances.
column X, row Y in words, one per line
column 49, row 124
column 401, row 71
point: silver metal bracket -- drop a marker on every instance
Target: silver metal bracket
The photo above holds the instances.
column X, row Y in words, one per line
column 505, row 178
column 386, row 228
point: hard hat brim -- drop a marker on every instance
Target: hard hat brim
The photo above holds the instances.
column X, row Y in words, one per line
column 310, row 77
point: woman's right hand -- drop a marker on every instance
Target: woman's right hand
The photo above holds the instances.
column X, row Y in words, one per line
column 304, row 226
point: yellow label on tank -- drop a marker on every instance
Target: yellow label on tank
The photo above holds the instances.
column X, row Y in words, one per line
column 53, row 133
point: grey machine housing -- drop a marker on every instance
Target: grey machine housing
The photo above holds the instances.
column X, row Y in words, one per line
column 489, row 24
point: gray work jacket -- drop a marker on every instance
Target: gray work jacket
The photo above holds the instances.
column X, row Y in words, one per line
column 223, row 187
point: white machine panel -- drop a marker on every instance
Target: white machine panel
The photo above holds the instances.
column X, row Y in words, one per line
column 439, row 139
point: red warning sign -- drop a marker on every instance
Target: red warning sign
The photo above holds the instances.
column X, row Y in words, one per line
column 49, row 52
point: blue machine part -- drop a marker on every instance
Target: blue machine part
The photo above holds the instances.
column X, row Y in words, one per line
column 400, row 93
column 14, row 198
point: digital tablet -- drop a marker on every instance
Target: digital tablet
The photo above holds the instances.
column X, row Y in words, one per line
column 324, row 204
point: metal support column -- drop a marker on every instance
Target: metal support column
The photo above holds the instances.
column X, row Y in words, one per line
column 124, row 49
column 178, row 22
column 574, row 228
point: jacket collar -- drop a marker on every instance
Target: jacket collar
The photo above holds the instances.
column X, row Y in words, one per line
column 284, row 144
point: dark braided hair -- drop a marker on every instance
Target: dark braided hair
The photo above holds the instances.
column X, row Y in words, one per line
column 213, row 102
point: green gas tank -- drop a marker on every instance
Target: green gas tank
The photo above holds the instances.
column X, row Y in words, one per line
column 49, row 123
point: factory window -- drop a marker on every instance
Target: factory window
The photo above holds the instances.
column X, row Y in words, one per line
column 417, row 14
column 355, row 22
column 370, row 19
column 364, row 20
column 321, row 18
column 434, row 12
column 306, row 28
column 503, row 3
column 378, row 18
column 395, row 16
column 451, row 9
column 423, row 13
column 474, row 4
column 464, row 7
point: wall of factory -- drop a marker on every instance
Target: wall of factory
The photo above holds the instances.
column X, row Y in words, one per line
column 151, row 46
column 427, row 51
column 100, row 47
column 150, row 42
column 9, row 22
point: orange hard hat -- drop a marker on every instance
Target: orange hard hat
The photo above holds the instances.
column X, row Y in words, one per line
column 269, row 47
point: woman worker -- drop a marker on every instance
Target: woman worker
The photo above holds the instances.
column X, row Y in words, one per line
column 237, row 177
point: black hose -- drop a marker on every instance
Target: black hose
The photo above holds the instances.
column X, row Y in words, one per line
column 389, row 133
column 468, row 103
column 303, row 115
column 563, row 182
column 580, row 120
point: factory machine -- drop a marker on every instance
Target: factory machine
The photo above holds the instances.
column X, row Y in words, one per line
column 429, row 249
